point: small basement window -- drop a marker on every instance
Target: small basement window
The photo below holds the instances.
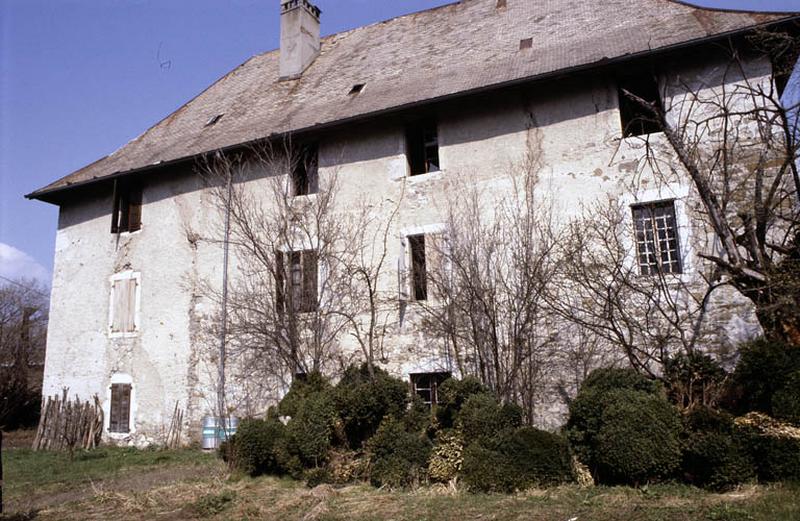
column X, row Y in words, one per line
column 305, row 171
column 657, row 244
column 419, row 276
column 635, row 119
column 422, row 148
column 126, row 215
column 120, row 411
column 296, row 281
column 426, row 386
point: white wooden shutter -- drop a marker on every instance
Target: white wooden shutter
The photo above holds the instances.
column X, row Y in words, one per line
column 123, row 306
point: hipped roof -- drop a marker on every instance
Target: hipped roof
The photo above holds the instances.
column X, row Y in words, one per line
column 454, row 50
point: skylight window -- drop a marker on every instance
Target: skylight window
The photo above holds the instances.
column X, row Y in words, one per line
column 213, row 120
column 357, row 88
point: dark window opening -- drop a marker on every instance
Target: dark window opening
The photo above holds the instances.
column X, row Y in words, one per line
column 637, row 120
column 527, row 43
column 419, row 277
column 127, row 212
column 305, row 171
column 657, row 243
column 120, row 410
column 422, row 148
column 426, row 386
column 296, row 281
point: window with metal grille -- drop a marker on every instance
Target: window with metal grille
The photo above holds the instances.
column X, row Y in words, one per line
column 426, row 386
column 296, row 281
column 422, row 148
column 657, row 244
column 305, row 171
column 127, row 210
column 120, row 411
column 419, row 275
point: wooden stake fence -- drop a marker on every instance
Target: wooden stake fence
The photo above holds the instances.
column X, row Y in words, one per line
column 69, row 424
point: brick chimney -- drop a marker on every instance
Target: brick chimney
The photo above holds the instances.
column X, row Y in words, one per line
column 299, row 37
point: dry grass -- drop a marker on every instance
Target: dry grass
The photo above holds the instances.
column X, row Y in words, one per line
column 176, row 490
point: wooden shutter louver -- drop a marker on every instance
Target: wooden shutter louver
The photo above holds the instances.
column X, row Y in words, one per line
column 124, row 306
column 120, row 410
column 309, row 281
column 135, row 209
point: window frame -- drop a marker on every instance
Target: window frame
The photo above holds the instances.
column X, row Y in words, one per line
column 285, row 290
column 304, row 175
column 435, row 379
column 634, row 120
column 676, row 258
column 125, row 276
column 422, row 145
column 127, row 202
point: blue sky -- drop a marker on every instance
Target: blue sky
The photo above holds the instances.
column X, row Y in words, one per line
column 80, row 78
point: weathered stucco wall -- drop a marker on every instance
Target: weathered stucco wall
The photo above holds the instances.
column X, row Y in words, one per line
column 572, row 127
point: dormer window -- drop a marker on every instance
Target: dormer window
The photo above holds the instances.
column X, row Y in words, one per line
column 127, row 211
column 635, row 119
column 422, row 148
column 305, row 171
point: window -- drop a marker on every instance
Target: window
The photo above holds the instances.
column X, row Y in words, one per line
column 426, row 386
column 305, row 171
column 422, row 148
column 124, row 303
column 119, row 418
column 127, row 212
column 635, row 119
column 657, row 245
column 419, row 277
column 296, row 281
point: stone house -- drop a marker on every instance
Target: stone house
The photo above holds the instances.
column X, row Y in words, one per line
column 409, row 110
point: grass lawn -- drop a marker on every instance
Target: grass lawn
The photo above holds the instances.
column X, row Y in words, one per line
column 123, row 484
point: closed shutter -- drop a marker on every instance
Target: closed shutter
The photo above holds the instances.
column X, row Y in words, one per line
column 120, row 410
column 124, row 306
column 309, row 280
column 135, row 210
column 280, row 282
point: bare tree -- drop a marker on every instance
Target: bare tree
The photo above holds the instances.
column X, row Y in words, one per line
column 487, row 286
column 600, row 289
column 737, row 144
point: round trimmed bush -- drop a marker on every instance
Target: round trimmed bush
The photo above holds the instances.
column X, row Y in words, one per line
column 255, row 446
column 763, row 370
column 482, row 416
column 786, row 401
column 776, row 458
column 398, row 458
column 638, row 439
column 586, row 410
column 714, row 455
column 311, row 429
column 516, row 460
column 364, row 402
column 452, row 395
column 313, row 383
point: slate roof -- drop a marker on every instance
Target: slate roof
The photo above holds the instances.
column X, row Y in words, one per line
column 422, row 57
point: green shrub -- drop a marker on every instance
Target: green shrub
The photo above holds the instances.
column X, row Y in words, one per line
column 363, row 402
column 776, row 458
column 693, row 379
column 317, row 476
column 452, row 395
column 313, row 383
column 255, row 446
column 516, row 460
column 638, row 439
column 786, row 400
column 764, row 369
column 310, row 430
column 418, row 417
column 714, row 454
column 398, row 458
column 482, row 416
column 586, row 410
